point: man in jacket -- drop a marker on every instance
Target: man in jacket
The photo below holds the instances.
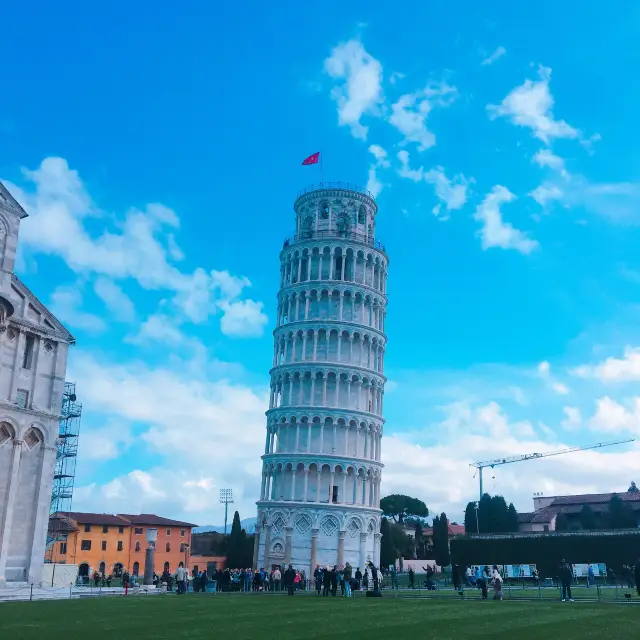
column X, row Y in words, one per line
column 289, row 577
column 566, row 576
column 326, row 581
column 358, row 578
column 333, row 574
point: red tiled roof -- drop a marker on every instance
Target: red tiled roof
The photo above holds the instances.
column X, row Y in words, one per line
column 596, row 498
column 155, row 521
column 96, row 518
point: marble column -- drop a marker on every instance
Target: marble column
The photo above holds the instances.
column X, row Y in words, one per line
column 8, row 515
column 376, row 549
column 287, row 545
column 363, row 551
column 267, row 545
column 43, row 502
column 314, row 550
column 341, row 535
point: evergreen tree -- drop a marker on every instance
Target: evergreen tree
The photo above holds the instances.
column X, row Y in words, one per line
column 388, row 552
column 587, row 518
column 562, row 522
column 470, row 523
column 237, row 547
column 512, row 518
column 620, row 514
column 419, row 541
column 441, row 540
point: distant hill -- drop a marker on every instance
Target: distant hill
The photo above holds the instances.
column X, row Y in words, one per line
column 248, row 525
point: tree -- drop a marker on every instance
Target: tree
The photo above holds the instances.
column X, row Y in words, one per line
column 470, row 522
column 419, row 541
column 441, row 540
column 562, row 522
column 387, row 550
column 587, row 518
column 512, row 518
column 238, row 546
column 398, row 507
column 620, row 514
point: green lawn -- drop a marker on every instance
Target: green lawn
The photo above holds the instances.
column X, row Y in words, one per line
column 265, row 616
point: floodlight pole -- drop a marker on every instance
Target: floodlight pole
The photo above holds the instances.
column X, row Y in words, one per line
column 226, row 498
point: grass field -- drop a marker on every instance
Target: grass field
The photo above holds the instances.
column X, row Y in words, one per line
column 265, row 617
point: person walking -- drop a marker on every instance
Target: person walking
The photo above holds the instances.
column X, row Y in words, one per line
column 358, row 577
column 455, row 578
column 347, row 573
column 394, row 578
column 374, row 577
column 591, row 580
column 497, row 583
column 179, row 576
column 412, row 577
column 289, row 578
column 483, row 582
column 566, row 576
column 317, row 576
column 126, row 579
column 277, row 579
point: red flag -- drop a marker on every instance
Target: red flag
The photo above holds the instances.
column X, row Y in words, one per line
column 312, row 159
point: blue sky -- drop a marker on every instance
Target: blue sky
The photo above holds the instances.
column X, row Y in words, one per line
column 158, row 153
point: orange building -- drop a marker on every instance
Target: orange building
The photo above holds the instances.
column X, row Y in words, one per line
column 110, row 544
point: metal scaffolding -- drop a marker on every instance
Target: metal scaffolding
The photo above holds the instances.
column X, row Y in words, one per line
column 65, row 469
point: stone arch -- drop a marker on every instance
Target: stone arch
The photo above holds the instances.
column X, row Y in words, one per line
column 7, row 432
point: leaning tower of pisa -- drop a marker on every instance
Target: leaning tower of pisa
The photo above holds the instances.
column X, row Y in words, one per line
column 321, row 469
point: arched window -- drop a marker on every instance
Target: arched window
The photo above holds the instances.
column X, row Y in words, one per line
column 168, row 547
column 138, row 546
column 324, row 210
column 136, row 568
column 182, row 547
column 362, row 216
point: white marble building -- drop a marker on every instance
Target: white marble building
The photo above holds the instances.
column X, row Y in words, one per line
column 33, row 359
column 321, row 469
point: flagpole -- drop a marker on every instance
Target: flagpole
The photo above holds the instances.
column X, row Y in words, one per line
column 321, row 166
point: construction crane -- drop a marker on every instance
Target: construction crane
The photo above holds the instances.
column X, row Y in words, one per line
column 479, row 466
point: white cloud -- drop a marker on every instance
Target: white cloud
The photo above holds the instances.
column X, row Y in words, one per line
column 141, row 246
column 374, row 185
column 495, row 232
column 395, row 76
column 104, row 443
column 531, row 105
column 625, row 369
column 118, row 303
column 66, row 303
column 243, row 318
column 498, row 53
column 409, row 114
column 546, row 158
column 613, row 417
column 406, row 171
column 451, row 192
column 544, row 371
column 546, row 193
column 360, row 89
column 159, row 328
column 573, row 418
column 472, row 433
column 197, row 426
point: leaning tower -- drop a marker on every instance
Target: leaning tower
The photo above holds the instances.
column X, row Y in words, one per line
column 321, row 470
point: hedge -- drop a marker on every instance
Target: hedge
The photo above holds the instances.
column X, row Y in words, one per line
column 615, row 548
